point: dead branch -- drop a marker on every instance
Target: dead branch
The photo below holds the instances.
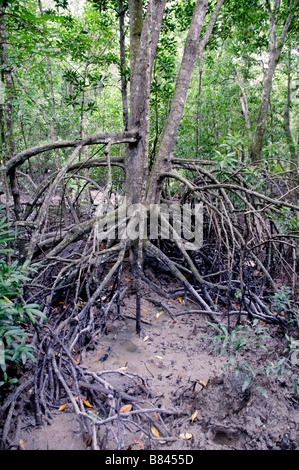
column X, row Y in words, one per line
column 93, row 139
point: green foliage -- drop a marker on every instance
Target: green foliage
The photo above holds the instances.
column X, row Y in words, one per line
column 281, row 299
column 229, row 157
column 285, row 220
column 15, row 317
column 242, row 336
column 252, row 339
column 286, row 365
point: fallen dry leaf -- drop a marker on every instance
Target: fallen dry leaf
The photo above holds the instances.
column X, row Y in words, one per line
column 194, row 415
column 145, row 338
column 22, row 444
column 63, row 407
column 186, row 435
column 76, row 359
column 155, row 431
column 125, row 409
column 86, row 403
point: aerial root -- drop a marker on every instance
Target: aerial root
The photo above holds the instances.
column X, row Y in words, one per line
column 101, row 264
column 80, row 286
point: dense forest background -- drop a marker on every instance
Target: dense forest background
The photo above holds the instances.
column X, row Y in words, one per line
column 157, row 102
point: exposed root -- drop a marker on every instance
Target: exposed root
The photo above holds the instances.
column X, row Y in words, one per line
column 79, row 285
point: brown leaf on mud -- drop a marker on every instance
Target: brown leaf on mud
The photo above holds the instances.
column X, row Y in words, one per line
column 186, row 435
column 139, row 443
column 22, row 444
column 125, row 409
column 155, row 431
column 86, row 403
column 62, row 407
column 76, row 359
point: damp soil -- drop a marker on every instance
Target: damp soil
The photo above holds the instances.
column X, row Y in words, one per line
column 187, row 375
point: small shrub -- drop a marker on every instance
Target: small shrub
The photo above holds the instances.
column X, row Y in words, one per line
column 253, row 338
column 15, row 315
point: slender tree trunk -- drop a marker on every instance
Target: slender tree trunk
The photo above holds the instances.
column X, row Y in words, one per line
column 163, row 160
column 2, row 102
column 286, row 117
column 54, row 128
column 274, row 53
column 198, row 111
column 123, row 64
column 244, row 106
column 289, row 137
column 137, row 155
column 8, row 111
column 193, row 50
column 136, row 25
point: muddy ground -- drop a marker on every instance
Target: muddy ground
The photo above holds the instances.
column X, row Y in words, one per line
column 189, row 376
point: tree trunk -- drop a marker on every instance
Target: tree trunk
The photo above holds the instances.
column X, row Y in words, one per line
column 137, row 155
column 163, row 161
column 274, row 53
column 288, row 133
column 8, row 111
column 244, row 106
column 136, row 25
column 123, row 64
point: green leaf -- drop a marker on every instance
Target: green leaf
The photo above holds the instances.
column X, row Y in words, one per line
column 246, row 383
column 260, row 389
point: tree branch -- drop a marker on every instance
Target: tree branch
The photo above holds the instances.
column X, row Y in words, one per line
column 93, row 139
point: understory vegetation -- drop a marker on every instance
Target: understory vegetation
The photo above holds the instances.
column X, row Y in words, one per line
column 115, row 114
